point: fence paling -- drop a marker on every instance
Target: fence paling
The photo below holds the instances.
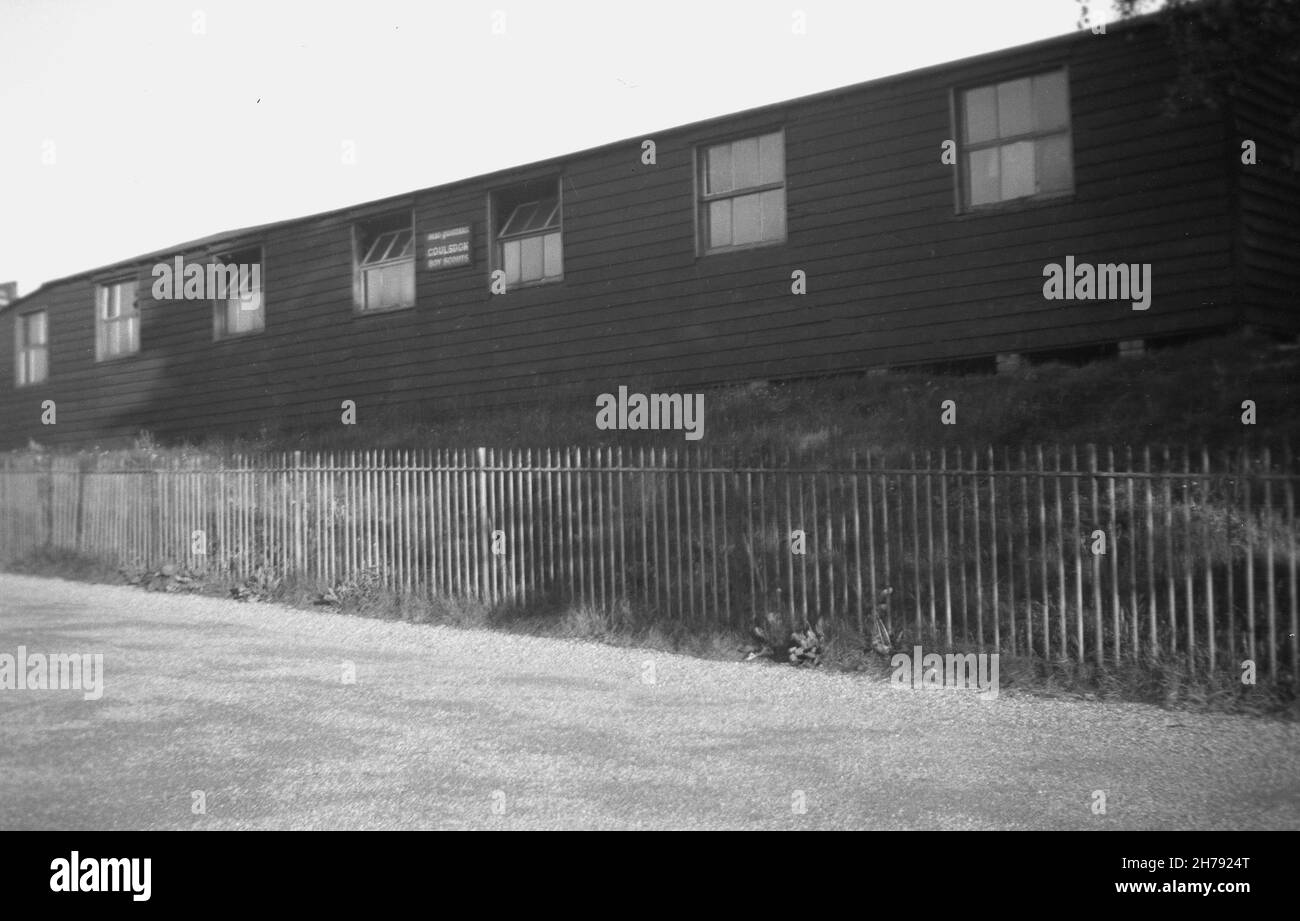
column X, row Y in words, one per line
column 697, row 537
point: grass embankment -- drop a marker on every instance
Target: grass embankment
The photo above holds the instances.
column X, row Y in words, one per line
column 1185, row 395
column 1190, row 395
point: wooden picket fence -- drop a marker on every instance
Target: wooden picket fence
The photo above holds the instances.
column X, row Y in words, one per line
column 1069, row 554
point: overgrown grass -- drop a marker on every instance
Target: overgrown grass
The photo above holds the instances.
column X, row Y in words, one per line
column 1189, row 394
column 1169, row 683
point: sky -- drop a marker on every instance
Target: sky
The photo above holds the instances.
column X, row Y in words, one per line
column 135, row 125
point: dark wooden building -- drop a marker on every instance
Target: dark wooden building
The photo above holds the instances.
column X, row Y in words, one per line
column 601, row 268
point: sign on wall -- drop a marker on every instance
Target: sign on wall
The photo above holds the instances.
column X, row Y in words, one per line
column 445, row 249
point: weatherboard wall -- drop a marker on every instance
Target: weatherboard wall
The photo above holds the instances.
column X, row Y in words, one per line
column 1269, row 198
column 895, row 275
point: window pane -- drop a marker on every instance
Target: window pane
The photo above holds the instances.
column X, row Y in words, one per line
column 771, row 158
column 530, row 258
column 1017, row 169
column 744, row 163
column 746, row 219
column 380, row 248
column 406, row 280
column 552, row 215
column 243, row 316
column 388, row 294
column 1015, row 111
column 1050, row 98
column 376, row 250
column 719, row 223
column 519, row 219
column 106, row 303
column 39, row 369
column 400, row 245
column 510, row 256
column 394, row 287
column 981, row 115
column 377, row 294
column 31, row 330
column 128, row 297
column 545, row 215
column 250, row 295
column 773, row 209
column 387, row 287
column 372, row 291
column 1053, row 167
column 529, row 215
column 552, row 256
column 982, row 179
column 719, row 169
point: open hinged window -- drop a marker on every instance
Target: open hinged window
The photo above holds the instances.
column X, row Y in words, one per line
column 528, row 245
column 238, row 304
column 385, row 269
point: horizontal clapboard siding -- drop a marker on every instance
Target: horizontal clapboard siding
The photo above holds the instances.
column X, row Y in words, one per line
column 1269, row 199
column 895, row 275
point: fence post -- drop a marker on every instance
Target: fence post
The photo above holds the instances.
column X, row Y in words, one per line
column 48, row 504
column 82, row 461
column 482, row 572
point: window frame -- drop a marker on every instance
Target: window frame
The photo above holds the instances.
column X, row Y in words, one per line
column 220, row 318
column 365, row 233
column 101, row 286
column 22, row 347
column 957, row 96
column 702, row 199
column 522, row 194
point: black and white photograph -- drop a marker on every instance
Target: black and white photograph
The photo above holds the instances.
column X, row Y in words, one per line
column 552, row 416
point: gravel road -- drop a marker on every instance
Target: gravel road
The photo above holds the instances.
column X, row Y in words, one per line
column 250, row 706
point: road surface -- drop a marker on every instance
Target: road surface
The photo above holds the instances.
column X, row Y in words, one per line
column 222, row 715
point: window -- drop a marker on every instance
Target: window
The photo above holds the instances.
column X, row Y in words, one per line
column 1016, row 140
column 528, row 245
column 117, row 327
column 31, row 338
column 742, row 193
column 386, row 267
column 238, row 308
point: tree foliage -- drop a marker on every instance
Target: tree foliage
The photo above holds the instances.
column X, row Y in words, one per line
column 1220, row 43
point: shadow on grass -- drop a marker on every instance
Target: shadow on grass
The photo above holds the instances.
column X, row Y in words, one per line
column 1167, row 683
